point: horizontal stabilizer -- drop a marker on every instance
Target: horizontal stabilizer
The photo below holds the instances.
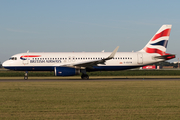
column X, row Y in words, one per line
column 166, row 57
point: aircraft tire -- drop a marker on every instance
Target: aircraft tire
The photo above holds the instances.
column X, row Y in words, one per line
column 85, row 77
column 25, row 77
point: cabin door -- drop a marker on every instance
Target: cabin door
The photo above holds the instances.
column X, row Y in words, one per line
column 139, row 58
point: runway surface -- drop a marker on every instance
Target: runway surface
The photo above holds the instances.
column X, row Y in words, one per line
column 114, row 79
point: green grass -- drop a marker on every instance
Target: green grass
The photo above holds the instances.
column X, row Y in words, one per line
column 102, row 100
column 10, row 73
column 98, row 73
column 137, row 73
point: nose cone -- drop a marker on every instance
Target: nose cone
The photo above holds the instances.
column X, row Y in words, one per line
column 9, row 64
column 6, row 64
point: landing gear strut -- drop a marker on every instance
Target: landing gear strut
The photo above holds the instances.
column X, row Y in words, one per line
column 26, row 75
column 84, row 76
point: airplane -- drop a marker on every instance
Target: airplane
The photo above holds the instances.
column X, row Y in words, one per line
column 72, row 63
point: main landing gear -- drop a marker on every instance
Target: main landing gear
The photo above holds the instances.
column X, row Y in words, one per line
column 26, row 75
column 84, row 76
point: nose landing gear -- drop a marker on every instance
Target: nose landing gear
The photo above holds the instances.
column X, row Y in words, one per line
column 26, row 75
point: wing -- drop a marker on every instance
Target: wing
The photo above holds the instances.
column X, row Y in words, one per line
column 90, row 64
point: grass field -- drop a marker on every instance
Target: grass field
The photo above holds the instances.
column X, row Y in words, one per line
column 98, row 73
column 91, row 100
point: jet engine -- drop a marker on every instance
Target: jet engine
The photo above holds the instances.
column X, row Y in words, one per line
column 66, row 71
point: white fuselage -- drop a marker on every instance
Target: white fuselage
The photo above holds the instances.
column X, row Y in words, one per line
column 47, row 61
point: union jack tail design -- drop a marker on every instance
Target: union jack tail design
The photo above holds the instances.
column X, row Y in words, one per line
column 159, row 41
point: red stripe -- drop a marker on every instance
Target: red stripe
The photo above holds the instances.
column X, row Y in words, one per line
column 31, row 56
column 170, row 57
column 162, row 34
column 154, row 50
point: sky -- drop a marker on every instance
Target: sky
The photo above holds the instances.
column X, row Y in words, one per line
column 85, row 25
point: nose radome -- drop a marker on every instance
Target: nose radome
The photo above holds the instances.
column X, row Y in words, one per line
column 6, row 63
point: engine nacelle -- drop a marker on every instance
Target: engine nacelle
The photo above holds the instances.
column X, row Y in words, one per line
column 66, row 71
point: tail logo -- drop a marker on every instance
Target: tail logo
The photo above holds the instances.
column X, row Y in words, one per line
column 164, row 33
column 158, row 43
column 161, row 43
column 154, row 50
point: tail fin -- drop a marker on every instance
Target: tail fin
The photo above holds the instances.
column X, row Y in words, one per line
column 158, row 42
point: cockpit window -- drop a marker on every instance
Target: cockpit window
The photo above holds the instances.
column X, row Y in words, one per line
column 13, row 58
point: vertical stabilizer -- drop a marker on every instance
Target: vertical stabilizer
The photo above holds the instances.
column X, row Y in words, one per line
column 159, row 41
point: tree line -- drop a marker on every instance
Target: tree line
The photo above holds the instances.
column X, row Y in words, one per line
column 161, row 64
